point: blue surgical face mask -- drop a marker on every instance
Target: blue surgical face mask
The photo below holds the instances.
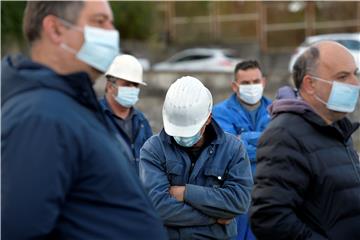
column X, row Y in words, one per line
column 100, row 46
column 127, row 96
column 343, row 97
column 188, row 141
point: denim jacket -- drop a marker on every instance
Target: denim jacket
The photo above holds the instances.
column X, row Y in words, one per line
column 217, row 185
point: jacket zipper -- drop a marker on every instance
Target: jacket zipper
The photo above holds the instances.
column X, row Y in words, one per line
column 355, row 162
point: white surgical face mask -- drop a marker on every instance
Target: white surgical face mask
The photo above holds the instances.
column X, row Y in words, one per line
column 100, row 46
column 127, row 96
column 343, row 97
column 251, row 93
column 188, row 141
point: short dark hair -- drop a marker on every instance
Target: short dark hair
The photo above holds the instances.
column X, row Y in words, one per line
column 306, row 63
column 247, row 64
column 36, row 11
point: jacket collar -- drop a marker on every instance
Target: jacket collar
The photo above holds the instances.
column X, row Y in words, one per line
column 21, row 74
column 106, row 107
column 342, row 129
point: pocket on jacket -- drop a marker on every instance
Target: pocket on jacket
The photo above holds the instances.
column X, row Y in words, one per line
column 214, row 177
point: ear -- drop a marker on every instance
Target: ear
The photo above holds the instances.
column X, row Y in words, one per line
column 108, row 87
column 52, row 29
column 308, row 85
column 208, row 121
column 234, row 87
column 263, row 81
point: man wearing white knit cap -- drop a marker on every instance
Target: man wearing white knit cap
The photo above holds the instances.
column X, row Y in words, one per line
column 197, row 176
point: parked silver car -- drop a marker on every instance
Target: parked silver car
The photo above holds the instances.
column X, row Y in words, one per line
column 349, row 40
column 200, row 60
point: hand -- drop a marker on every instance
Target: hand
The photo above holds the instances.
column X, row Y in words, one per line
column 177, row 192
column 224, row 221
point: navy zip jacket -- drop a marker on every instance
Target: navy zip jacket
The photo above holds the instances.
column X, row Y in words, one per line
column 307, row 183
column 64, row 175
column 217, row 185
column 141, row 131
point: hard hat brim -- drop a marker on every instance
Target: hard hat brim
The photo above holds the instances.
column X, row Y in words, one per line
column 112, row 75
column 182, row 131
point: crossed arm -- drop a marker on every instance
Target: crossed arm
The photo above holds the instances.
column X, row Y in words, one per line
column 193, row 205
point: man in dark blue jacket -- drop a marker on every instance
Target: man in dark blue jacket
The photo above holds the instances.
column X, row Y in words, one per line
column 307, row 184
column 121, row 93
column 64, row 175
column 245, row 115
column 197, row 176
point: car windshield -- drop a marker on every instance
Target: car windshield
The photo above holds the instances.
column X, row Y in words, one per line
column 350, row 44
column 231, row 54
column 194, row 57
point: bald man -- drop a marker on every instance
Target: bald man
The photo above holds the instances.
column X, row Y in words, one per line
column 308, row 173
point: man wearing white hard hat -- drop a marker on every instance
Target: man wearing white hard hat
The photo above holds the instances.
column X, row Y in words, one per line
column 124, row 77
column 197, row 176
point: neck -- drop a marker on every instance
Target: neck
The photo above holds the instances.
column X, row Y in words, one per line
column 249, row 107
column 319, row 108
column 117, row 109
column 59, row 61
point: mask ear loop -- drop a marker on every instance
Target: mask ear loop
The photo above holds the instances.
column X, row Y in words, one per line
column 67, row 48
column 324, row 81
column 70, row 25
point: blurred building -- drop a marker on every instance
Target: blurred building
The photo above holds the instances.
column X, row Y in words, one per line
column 273, row 25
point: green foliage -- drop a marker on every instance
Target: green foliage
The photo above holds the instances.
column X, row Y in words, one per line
column 11, row 22
column 134, row 19
column 11, row 17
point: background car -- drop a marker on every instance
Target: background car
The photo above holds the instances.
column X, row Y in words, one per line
column 200, row 60
column 349, row 40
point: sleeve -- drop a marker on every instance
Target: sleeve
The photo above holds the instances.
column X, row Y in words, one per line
column 223, row 119
column 280, row 185
column 233, row 197
column 148, row 132
column 154, row 178
column 250, row 140
column 37, row 172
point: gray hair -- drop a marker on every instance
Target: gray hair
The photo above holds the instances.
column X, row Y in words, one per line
column 306, row 63
column 36, row 11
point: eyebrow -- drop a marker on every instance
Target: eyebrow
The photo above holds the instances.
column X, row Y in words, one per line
column 249, row 80
column 346, row 72
column 103, row 15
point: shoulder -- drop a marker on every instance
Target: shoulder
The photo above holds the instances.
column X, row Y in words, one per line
column 232, row 143
column 141, row 118
column 226, row 108
column 153, row 143
column 266, row 101
column 44, row 102
column 140, row 115
column 285, row 131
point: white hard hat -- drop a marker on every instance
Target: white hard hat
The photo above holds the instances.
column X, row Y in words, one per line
column 126, row 67
column 188, row 104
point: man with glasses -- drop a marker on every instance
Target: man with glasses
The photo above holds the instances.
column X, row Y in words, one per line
column 307, row 184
